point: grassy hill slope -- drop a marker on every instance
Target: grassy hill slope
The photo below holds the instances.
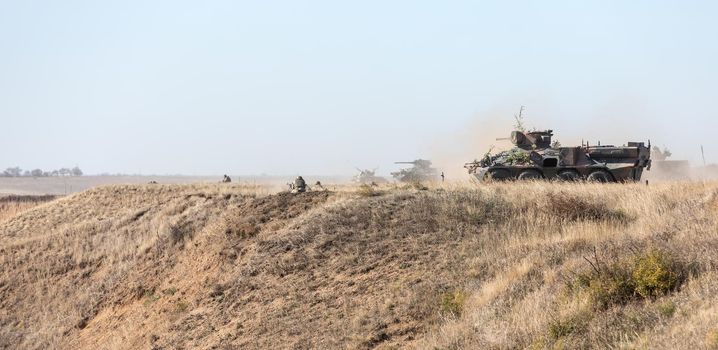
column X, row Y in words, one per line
column 502, row 266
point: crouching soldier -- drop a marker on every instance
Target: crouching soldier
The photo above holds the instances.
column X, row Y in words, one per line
column 299, row 185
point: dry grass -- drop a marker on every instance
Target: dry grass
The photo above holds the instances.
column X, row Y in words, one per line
column 13, row 205
column 445, row 266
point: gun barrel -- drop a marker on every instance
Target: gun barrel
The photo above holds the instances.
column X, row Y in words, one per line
column 404, row 162
column 502, row 138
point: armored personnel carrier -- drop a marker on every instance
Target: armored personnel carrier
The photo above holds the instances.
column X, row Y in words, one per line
column 534, row 157
column 366, row 176
column 421, row 171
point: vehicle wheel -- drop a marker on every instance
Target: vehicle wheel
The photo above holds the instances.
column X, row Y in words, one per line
column 497, row 175
column 599, row 176
column 569, row 175
column 530, row 174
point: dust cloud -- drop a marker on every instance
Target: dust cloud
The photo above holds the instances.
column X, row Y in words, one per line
column 450, row 152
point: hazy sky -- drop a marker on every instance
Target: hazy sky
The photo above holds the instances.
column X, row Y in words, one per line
column 286, row 87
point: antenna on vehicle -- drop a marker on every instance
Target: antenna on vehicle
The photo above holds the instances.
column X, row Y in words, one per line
column 703, row 155
column 520, row 120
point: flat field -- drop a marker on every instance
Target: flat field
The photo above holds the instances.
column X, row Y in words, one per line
column 68, row 185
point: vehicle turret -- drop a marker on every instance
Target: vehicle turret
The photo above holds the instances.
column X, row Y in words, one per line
column 530, row 140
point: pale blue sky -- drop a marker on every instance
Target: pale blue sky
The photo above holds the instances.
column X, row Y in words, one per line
column 286, row 87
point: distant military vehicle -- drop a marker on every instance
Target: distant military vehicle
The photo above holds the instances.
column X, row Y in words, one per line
column 534, row 157
column 366, row 176
column 659, row 155
column 421, row 171
column 668, row 169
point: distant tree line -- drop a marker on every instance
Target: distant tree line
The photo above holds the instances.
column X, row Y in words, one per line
column 17, row 172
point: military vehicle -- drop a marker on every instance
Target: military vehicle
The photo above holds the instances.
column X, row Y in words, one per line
column 421, row 171
column 366, row 176
column 660, row 155
column 535, row 157
column 663, row 168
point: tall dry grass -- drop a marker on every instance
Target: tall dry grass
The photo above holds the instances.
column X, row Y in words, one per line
column 13, row 205
column 575, row 260
column 62, row 261
column 445, row 266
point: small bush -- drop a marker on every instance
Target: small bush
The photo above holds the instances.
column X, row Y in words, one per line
column 452, row 303
column 667, row 309
column 366, row 190
column 712, row 339
column 170, row 291
column 181, row 306
column 648, row 276
column 609, row 287
column 176, row 234
column 150, row 298
column 655, row 274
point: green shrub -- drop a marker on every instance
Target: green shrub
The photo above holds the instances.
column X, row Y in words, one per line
column 655, row 274
column 667, row 309
column 452, row 303
column 648, row 276
column 150, row 298
column 170, row 291
column 611, row 288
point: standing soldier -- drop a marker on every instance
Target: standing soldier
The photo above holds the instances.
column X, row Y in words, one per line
column 442, row 176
